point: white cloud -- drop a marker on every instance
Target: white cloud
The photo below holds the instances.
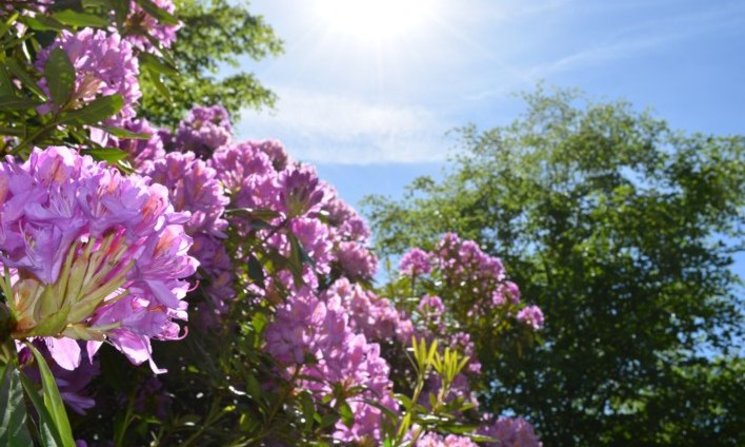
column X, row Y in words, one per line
column 332, row 128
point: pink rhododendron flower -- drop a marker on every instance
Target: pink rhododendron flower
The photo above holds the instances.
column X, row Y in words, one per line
column 532, row 316
column 140, row 24
column 104, row 65
column 415, row 262
column 509, row 432
column 435, row 440
column 90, row 254
column 204, row 130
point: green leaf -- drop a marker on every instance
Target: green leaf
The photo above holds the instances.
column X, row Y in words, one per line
column 345, row 411
column 295, row 261
column 108, row 154
column 5, row 26
column 96, row 111
column 162, row 15
column 124, row 133
column 13, row 427
column 94, row 3
column 159, row 85
column 60, row 75
column 254, row 213
column 80, row 19
column 20, row 72
column 259, row 322
column 255, row 271
column 48, row 432
column 53, row 400
column 16, row 103
column 6, row 85
column 152, row 63
column 41, row 22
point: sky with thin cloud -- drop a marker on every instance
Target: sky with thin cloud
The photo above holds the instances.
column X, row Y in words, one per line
column 372, row 110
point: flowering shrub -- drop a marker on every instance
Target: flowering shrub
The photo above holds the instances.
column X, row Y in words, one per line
column 233, row 249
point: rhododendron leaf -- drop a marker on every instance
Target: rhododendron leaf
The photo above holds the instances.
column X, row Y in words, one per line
column 16, row 103
column 345, row 411
column 60, row 75
column 80, row 19
column 52, row 399
column 124, row 133
column 459, row 429
column 162, row 15
column 256, row 271
column 254, row 213
column 295, row 261
column 5, row 26
column 25, row 78
column 259, row 322
column 95, row 3
column 109, row 154
column 48, row 433
column 150, row 62
column 41, row 22
column 328, row 420
column 482, row 438
column 6, row 85
column 96, row 111
column 405, row 400
column 13, row 429
column 308, row 408
column 253, row 386
column 158, row 83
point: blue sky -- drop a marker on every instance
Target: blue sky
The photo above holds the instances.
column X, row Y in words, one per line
column 372, row 113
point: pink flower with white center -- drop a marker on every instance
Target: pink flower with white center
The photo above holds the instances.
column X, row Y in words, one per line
column 90, row 254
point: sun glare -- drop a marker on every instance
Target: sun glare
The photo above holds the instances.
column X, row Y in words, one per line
column 375, row 20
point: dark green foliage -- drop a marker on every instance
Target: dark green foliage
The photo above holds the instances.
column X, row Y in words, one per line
column 623, row 232
column 214, row 35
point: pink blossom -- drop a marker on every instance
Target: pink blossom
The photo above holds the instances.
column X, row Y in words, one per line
column 91, row 255
column 104, row 65
column 532, row 316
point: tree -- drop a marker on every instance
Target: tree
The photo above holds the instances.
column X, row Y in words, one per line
column 623, row 232
column 214, row 34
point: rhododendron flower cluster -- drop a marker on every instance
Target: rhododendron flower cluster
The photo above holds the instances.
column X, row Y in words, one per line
column 139, row 25
column 90, row 254
column 415, row 262
column 482, row 288
column 308, row 326
column 532, row 316
column 204, row 130
column 510, row 432
column 435, row 440
column 104, row 65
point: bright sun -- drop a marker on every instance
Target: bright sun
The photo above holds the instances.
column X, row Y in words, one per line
column 375, row 20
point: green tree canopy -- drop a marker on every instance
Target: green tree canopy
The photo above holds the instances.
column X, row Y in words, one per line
column 205, row 55
column 623, row 231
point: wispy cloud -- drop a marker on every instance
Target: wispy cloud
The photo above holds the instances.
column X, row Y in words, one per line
column 644, row 37
column 332, row 128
